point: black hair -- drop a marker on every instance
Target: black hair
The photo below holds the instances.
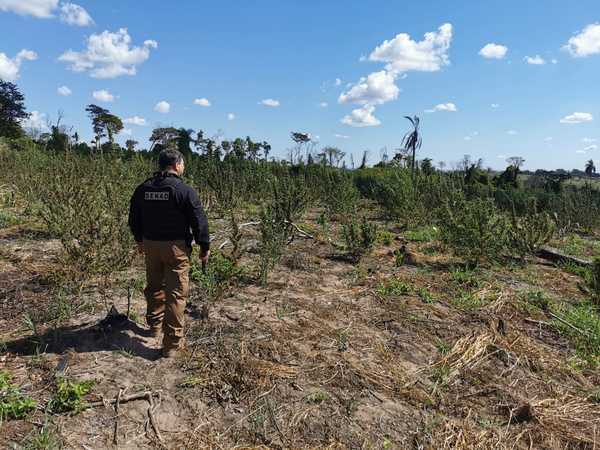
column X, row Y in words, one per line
column 168, row 158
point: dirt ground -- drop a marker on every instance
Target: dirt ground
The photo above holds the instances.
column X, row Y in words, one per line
column 330, row 354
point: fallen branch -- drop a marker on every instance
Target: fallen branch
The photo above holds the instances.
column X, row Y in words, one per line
column 128, row 398
column 299, row 230
column 570, row 325
column 555, row 255
column 151, row 410
column 116, row 431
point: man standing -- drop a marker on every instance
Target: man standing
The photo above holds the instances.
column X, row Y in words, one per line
column 165, row 214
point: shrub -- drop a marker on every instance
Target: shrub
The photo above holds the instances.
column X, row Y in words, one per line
column 529, row 232
column 475, row 230
column 359, row 237
column 69, row 396
column 13, row 403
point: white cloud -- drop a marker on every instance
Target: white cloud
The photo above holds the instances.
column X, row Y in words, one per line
column 450, row 107
column 468, row 138
column 73, row 14
column 9, row 68
column 341, row 136
column 338, row 82
column 103, row 96
column 323, row 104
column 402, row 54
column 376, row 89
column 162, row 107
column 231, row 116
column 548, row 139
column 586, row 43
column 511, row 132
column 127, row 131
column 536, row 60
column 493, row 51
column 591, row 147
column 270, row 102
column 108, row 55
column 64, row 91
column 136, row 120
column 587, row 140
column 35, row 121
column 577, row 117
column 495, row 105
column 580, row 151
column 37, row 8
column 362, row 117
column 554, row 61
column 202, row 102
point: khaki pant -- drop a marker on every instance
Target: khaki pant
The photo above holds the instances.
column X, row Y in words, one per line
column 167, row 278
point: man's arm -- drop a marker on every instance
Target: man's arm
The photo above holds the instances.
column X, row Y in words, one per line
column 135, row 218
column 197, row 220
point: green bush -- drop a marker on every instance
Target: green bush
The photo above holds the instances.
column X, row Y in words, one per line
column 475, row 230
column 359, row 237
column 13, row 403
column 69, row 396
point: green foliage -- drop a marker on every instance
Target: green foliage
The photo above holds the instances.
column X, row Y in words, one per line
column 594, row 280
column 13, row 403
column 394, row 288
column 218, row 276
column 69, row 396
column 467, row 301
column 581, row 324
column 8, row 219
column 12, row 110
column 529, row 232
column 466, row 277
column 44, row 439
column 537, row 298
column 83, row 202
column 317, row 397
column 423, row 234
column 475, row 230
column 359, row 237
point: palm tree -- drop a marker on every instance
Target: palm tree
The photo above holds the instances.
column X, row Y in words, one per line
column 412, row 141
column 590, row 169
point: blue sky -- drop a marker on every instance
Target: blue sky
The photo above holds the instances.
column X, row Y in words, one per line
column 238, row 54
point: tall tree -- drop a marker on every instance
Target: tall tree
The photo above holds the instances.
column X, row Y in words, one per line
column 516, row 161
column 590, row 168
column 412, row 141
column 95, row 113
column 12, row 110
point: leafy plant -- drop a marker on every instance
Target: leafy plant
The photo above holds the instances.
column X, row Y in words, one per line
column 359, row 237
column 476, row 230
column 13, row 403
column 69, row 396
column 529, row 232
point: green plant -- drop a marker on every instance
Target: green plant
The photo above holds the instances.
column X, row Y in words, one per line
column 44, row 439
column 394, row 287
column 467, row 301
column 317, row 397
column 529, row 232
column 466, row 277
column 423, row 234
column 538, row 299
column 218, row 275
column 13, row 403
column 425, row 295
column 442, row 347
column 594, row 280
column 476, row 230
column 359, row 237
column 69, row 396
column 581, row 324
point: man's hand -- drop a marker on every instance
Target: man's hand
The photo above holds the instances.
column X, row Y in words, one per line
column 204, row 257
column 140, row 248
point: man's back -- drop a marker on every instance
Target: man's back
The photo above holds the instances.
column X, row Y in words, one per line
column 164, row 208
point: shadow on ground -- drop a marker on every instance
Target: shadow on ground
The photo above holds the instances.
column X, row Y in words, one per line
column 124, row 335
